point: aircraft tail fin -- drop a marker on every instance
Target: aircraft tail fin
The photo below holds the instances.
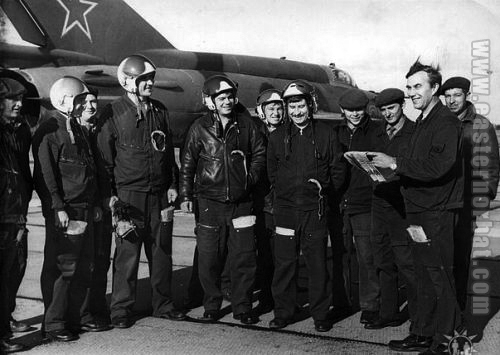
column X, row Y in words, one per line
column 108, row 29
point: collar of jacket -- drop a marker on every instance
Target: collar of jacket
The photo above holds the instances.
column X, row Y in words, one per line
column 13, row 125
column 469, row 113
column 131, row 104
column 362, row 126
column 432, row 113
column 405, row 128
column 294, row 130
column 209, row 120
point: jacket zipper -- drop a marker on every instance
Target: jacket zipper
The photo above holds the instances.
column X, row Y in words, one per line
column 226, row 162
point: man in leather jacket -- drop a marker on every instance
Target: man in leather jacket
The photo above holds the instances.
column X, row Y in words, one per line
column 224, row 157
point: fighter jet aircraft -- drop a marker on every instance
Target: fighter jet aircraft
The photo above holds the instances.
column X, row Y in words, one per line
column 89, row 38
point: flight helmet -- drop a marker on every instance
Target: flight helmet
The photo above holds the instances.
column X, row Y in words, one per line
column 266, row 97
column 64, row 92
column 304, row 89
column 214, row 86
column 133, row 68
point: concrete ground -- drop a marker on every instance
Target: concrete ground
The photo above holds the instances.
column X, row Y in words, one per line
column 157, row 336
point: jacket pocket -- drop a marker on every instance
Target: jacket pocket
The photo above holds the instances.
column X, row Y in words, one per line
column 209, row 171
column 74, row 177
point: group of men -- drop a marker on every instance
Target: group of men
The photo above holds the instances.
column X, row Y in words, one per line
column 264, row 192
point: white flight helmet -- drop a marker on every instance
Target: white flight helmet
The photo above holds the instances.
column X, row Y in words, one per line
column 64, row 92
column 266, row 97
column 133, row 68
column 302, row 88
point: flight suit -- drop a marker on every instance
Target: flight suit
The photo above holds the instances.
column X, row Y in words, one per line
column 66, row 179
column 140, row 172
column 294, row 157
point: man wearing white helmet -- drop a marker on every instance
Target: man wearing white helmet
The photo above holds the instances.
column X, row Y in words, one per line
column 136, row 144
column 303, row 163
column 269, row 108
column 67, row 182
column 224, row 157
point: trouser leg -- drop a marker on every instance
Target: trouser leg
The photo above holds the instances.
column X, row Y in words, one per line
column 284, row 285
column 404, row 261
column 161, row 254
column 264, row 230
column 68, row 249
column 383, row 259
column 98, row 305
column 8, row 253
column 438, row 311
column 369, row 288
column 125, row 266
column 211, row 243
column 18, row 269
column 313, row 244
column 242, row 261
column 79, row 292
column 335, row 228
column 462, row 243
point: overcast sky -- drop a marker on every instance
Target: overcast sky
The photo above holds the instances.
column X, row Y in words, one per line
column 375, row 41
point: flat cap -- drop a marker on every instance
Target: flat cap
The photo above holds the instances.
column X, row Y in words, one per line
column 10, row 87
column 353, row 99
column 456, row 82
column 389, row 96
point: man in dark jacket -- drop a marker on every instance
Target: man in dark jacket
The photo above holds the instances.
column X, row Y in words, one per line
column 303, row 163
column 15, row 193
column 428, row 173
column 389, row 238
column 479, row 173
column 136, row 144
column 269, row 107
column 224, row 157
column 356, row 134
column 66, row 181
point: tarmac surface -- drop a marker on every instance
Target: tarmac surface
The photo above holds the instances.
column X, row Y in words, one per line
column 158, row 336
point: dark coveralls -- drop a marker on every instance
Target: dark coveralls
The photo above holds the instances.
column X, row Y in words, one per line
column 65, row 179
column 294, row 156
column 480, row 169
column 389, row 238
column 429, row 179
column 140, row 175
column 220, row 166
column 15, row 193
column 263, row 196
column 356, row 206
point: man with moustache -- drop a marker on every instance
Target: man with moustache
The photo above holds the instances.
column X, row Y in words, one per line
column 480, row 170
column 389, row 238
column 303, row 163
column 428, row 173
column 136, row 144
column 356, row 134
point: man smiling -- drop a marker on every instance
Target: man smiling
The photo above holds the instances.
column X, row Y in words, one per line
column 303, row 162
column 428, row 173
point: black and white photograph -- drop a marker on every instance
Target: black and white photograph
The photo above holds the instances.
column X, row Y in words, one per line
column 251, row 177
